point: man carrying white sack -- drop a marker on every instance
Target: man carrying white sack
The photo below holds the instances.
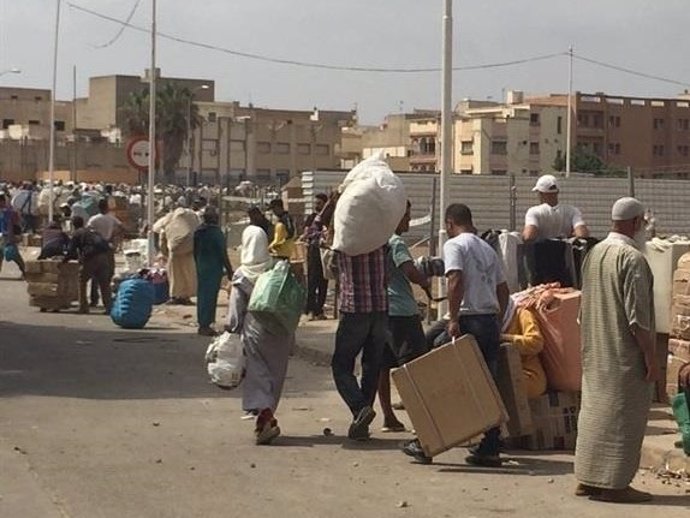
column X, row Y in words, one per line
column 619, row 364
column 372, row 203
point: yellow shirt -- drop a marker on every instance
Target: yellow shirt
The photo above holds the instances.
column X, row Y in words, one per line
column 281, row 246
column 524, row 333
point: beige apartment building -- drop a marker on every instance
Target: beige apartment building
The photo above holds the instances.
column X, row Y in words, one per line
column 237, row 142
column 25, row 114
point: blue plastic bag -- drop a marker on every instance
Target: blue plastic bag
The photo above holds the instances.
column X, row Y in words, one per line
column 133, row 304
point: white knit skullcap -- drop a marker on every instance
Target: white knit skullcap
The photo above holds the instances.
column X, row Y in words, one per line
column 626, row 209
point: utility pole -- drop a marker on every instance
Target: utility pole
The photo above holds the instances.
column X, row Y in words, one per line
column 446, row 130
column 569, row 116
column 151, row 213
column 51, row 145
column 75, row 139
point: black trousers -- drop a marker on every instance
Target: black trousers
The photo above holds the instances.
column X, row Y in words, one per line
column 317, row 285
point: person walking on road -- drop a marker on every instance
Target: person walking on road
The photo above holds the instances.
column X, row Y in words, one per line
column 477, row 297
column 619, row 361
column 211, row 257
column 406, row 338
column 10, row 233
column 266, row 352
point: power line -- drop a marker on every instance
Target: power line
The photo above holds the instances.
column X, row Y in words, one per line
column 630, row 71
column 304, row 64
column 122, row 28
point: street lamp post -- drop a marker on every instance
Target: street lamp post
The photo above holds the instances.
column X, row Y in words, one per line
column 150, row 208
column 51, row 145
column 446, row 130
column 189, row 132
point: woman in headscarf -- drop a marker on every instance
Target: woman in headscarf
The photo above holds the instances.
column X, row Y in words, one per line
column 211, row 257
column 266, row 353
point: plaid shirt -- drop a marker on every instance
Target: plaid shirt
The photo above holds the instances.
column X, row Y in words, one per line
column 364, row 282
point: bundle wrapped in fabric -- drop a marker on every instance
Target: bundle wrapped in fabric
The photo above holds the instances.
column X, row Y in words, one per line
column 371, row 205
column 133, row 304
column 278, row 299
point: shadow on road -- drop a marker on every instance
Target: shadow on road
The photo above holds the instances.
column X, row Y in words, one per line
column 103, row 364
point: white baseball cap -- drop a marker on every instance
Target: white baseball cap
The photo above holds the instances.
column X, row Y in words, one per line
column 546, row 183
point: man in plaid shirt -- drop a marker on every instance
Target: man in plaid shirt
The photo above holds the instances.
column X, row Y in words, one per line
column 363, row 327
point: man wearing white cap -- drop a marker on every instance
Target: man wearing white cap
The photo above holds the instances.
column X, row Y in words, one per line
column 618, row 360
column 551, row 220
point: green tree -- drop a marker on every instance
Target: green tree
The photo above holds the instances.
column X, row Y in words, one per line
column 172, row 114
column 582, row 162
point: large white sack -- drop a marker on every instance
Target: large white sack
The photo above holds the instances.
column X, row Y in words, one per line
column 372, row 203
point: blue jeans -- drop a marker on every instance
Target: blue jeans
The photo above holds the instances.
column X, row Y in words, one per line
column 359, row 332
column 486, row 330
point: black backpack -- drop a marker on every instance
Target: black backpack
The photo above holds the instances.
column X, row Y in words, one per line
column 94, row 244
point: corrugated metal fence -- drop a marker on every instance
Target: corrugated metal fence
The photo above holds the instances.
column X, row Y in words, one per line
column 489, row 197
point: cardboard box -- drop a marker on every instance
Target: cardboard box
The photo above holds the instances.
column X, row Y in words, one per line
column 680, row 317
column 449, row 395
column 679, row 348
column 681, row 283
column 554, row 417
column 511, row 385
column 672, row 372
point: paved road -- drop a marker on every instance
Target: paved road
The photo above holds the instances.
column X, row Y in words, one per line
column 96, row 422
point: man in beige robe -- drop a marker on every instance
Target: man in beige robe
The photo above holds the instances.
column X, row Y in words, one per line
column 177, row 243
column 618, row 360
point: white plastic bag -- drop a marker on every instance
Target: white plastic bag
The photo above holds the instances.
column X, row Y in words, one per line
column 226, row 361
column 372, row 203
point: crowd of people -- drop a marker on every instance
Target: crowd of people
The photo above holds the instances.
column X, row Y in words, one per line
column 378, row 314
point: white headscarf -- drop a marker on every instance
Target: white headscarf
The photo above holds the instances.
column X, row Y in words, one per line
column 254, row 257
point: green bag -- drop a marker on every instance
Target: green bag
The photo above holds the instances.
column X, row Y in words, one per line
column 278, row 298
column 682, row 415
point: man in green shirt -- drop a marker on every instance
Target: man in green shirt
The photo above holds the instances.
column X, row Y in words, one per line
column 406, row 336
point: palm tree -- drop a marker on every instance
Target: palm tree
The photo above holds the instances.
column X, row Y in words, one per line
column 172, row 111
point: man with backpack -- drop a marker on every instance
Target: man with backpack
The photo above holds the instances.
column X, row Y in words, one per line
column 283, row 244
column 93, row 253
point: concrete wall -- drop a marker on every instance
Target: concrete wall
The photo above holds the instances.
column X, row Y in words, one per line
column 490, row 199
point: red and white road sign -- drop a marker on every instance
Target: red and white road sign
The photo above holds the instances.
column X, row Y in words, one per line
column 138, row 153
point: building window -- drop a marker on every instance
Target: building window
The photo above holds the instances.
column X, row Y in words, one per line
column 499, row 147
column 534, row 119
column 614, row 148
column 534, row 172
column 34, row 122
column 263, row 147
column 304, row 149
column 6, row 123
column 658, row 150
column 534, row 148
column 683, row 124
column 282, row 148
column 683, row 150
column 467, row 147
column 559, row 125
column 263, row 174
column 583, row 119
column 59, row 125
column 212, row 117
column 465, row 171
column 38, row 98
column 614, row 121
column 658, row 124
column 14, row 97
column 499, row 172
column 322, row 149
column 427, row 146
column 210, row 145
column 597, row 121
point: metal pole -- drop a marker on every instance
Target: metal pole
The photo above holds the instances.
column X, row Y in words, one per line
column 74, row 123
column 631, row 183
column 446, row 132
column 51, row 145
column 513, row 203
column 152, row 135
column 569, row 116
column 432, row 224
column 189, row 140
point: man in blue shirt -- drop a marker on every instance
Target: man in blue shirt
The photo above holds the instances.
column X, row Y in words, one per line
column 9, row 234
column 406, row 337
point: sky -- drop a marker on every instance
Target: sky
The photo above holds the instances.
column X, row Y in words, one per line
column 645, row 35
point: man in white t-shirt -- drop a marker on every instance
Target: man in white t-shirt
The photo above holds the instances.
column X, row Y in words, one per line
column 551, row 220
column 477, row 297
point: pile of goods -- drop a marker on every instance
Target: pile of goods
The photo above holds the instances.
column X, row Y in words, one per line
column 52, row 285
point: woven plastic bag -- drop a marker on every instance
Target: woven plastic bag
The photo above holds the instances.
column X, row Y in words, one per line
column 225, row 361
column 278, row 298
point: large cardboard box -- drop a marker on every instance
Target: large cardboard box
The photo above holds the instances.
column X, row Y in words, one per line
column 555, row 417
column 679, row 348
column 680, row 317
column 681, row 283
column 450, row 395
column 511, row 385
